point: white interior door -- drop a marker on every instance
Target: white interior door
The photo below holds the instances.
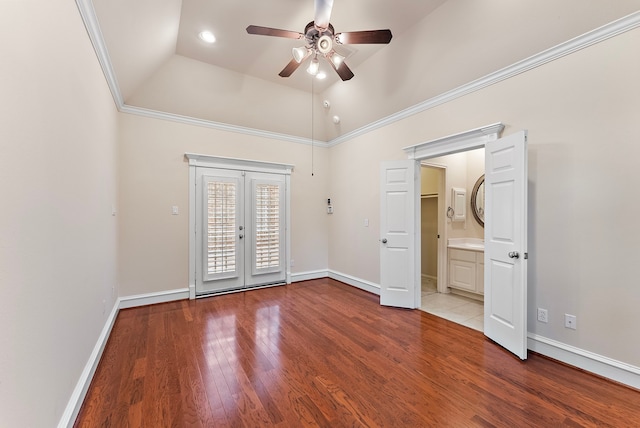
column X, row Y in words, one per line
column 505, row 274
column 240, row 229
column 399, row 233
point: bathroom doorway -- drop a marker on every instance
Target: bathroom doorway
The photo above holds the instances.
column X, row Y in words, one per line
column 442, row 292
column 504, row 248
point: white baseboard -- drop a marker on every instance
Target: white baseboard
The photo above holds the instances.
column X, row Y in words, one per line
column 363, row 284
column 80, row 391
column 77, row 397
column 153, row 298
column 586, row 360
column 306, row 276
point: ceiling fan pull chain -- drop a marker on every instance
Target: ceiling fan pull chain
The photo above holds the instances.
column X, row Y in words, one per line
column 312, row 79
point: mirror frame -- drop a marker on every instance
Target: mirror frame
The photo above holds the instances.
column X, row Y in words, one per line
column 474, row 194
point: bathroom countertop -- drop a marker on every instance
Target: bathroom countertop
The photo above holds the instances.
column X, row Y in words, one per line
column 473, row 244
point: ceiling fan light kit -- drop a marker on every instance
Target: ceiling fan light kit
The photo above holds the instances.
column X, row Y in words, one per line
column 314, row 66
column 336, row 58
column 300, row 53
column 320, row 37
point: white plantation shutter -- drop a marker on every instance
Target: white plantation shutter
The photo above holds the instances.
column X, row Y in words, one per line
column 221, row 227
column 267, row 221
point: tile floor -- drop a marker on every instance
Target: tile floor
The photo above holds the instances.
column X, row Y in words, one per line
column 459, row 309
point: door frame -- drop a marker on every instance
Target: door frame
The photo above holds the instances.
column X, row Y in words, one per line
column 207, row 161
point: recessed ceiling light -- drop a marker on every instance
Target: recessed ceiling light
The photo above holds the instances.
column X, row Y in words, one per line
column 207, row 36
column 321, row 75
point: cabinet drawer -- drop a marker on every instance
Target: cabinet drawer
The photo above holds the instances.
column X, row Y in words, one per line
column 464, row 255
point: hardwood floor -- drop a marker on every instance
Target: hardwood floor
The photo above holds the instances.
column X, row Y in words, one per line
column 322, row 353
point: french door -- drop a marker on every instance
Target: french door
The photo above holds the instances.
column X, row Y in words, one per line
column 240, row 229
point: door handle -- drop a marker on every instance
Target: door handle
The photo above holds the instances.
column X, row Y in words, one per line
column 241, row 236
column 384, row 240
column 514, row 254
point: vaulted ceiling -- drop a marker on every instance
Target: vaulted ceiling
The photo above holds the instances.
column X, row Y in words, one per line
column 161, row 64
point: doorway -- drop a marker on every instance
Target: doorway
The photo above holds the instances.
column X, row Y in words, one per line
column 455, row 300
column 240, row 229
column 505, row 245
column 239, row 218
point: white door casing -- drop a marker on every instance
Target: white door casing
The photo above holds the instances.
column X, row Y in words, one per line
column 505, row 280
column 399, row 233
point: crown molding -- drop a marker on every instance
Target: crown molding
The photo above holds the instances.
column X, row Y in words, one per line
column 88, row 14
column 598, row 35
column 155, row 114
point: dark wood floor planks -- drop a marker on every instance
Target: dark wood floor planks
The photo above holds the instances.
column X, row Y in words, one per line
column 324, row 354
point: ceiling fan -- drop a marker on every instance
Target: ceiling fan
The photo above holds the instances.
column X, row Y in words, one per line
column 320, row 38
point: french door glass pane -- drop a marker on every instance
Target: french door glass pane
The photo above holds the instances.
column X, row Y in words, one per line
column 221, row 227
column 267, row 223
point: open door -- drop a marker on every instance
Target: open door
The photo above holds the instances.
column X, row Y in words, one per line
column 399, row 233
column 505, row 274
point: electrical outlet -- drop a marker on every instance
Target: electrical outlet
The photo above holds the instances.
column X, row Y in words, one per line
column 543, row 315
column 570, row 321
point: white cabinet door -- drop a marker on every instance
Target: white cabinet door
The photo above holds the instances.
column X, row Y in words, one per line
column 462, row 274
column 399, row 285
column 240, row 229
column 505, row 269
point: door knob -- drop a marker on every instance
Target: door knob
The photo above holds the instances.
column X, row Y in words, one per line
column 241, row 236
column 241, row 227
column 514, row 254
column 384, row 240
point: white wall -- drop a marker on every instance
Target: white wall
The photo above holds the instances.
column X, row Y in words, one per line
column 58, row 156
column 582, row 115
column 154, row 176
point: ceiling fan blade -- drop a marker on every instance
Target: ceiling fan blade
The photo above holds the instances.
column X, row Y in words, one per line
column 364, row 37
column 266, row 31
column 323, row 13
column 290, row 68
column 343, row 70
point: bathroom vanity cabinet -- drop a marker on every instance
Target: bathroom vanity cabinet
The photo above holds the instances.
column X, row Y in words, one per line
column 466, row 270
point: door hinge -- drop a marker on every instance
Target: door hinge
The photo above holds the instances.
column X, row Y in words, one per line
column 526, row 256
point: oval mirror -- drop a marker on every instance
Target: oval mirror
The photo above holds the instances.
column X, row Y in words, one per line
column 477, row 201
